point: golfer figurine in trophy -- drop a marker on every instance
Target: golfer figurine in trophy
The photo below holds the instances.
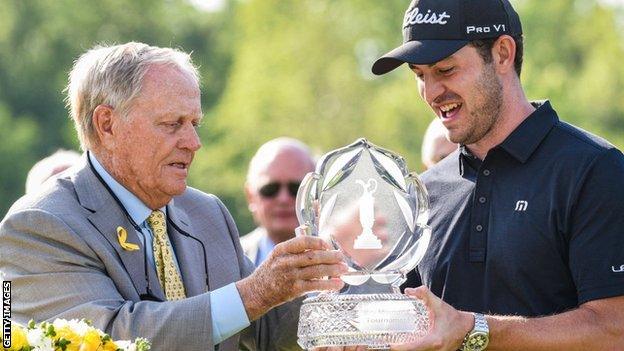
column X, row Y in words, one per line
column 364, row 201
column 367, row 240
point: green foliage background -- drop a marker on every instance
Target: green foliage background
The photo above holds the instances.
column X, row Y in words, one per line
column 286, row 67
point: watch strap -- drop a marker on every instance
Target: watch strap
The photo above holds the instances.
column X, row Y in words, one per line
column 478, row 338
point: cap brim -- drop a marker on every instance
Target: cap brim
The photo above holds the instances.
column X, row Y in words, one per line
column 418, row 52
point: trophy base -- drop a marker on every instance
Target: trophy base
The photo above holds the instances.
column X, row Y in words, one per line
column 373, row 320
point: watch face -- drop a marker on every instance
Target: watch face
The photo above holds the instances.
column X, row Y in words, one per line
column 477, row 341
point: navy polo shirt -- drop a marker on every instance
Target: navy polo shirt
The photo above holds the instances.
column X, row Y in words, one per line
column 535, row 228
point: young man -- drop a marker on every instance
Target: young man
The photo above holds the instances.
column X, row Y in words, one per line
column 435, row 145
column 526, row 215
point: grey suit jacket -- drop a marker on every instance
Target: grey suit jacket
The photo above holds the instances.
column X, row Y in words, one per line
column 60, row 250
column 251, row 242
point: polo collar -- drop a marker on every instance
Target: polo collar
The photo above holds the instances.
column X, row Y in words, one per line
column 525, row 139
column 466, row 158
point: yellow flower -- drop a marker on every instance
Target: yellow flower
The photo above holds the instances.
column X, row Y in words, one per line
column 110, row 346
column 91, row 341
column 18, row 337
column 65, row 332
column 72, row 335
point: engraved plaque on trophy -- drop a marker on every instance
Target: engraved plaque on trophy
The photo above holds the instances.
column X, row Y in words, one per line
column 364, row 201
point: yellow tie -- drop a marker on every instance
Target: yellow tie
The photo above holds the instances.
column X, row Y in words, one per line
column 166, row 269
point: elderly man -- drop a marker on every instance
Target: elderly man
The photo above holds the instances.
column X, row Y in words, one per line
column 273, row 178
column 435, row 145
column 527, row 247
column 49, row 167
column 125, row 243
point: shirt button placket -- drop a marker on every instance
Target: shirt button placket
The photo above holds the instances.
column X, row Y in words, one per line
column 480, row 215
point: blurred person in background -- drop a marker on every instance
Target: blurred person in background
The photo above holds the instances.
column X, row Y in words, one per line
column 50, row 166
column 435, row 145
column 527, row 245
column 122, row 240
column 273, row 178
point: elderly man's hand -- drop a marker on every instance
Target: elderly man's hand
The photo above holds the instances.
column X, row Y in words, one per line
column 448, row 325
column 293, row 268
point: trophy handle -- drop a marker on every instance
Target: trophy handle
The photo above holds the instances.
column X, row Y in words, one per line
column 304, row 203
column 422, row 199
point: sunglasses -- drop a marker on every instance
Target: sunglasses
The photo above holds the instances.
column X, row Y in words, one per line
column 271, row 190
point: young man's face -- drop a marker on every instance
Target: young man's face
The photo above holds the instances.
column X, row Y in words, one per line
column 464, row 92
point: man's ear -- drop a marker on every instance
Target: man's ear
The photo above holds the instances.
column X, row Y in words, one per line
column 504, row 53
column 103, row 121
column 250, row 197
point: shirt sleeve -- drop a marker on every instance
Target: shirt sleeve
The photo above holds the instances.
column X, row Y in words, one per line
column 227, row 312
column 596, row 256
column 413, row 280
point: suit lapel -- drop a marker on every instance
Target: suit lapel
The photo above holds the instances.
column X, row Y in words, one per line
column 251, row 243
column 189, row 253
column 106, row 216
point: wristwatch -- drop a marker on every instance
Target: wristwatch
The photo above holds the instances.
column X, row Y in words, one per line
column 479, row 337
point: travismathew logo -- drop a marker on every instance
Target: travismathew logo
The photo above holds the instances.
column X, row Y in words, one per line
column 521, row 206
column 6, row 314
column 414, row 16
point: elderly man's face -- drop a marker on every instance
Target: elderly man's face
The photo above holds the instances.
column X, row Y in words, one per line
column 155, row 143
column 275, row 209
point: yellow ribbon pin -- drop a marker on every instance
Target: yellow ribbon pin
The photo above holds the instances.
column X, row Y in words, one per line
column 122, row 236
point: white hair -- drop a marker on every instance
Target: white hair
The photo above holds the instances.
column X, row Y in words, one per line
column 50, row 166
column 269, row 150
column 113, row 76
column 435, row 145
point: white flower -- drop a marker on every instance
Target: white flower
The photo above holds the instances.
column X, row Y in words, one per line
column 79, row 327
column 38, row 340
column 125, row 345
column 42, row 336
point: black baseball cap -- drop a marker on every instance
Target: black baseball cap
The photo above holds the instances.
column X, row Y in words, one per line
column 435, row 29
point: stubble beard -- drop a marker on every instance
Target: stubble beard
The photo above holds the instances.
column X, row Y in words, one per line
column 485, row 114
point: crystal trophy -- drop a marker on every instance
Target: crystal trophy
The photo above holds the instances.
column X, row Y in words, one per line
column 363, row 200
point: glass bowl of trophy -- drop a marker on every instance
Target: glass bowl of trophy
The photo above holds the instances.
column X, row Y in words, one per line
column 363, row 200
